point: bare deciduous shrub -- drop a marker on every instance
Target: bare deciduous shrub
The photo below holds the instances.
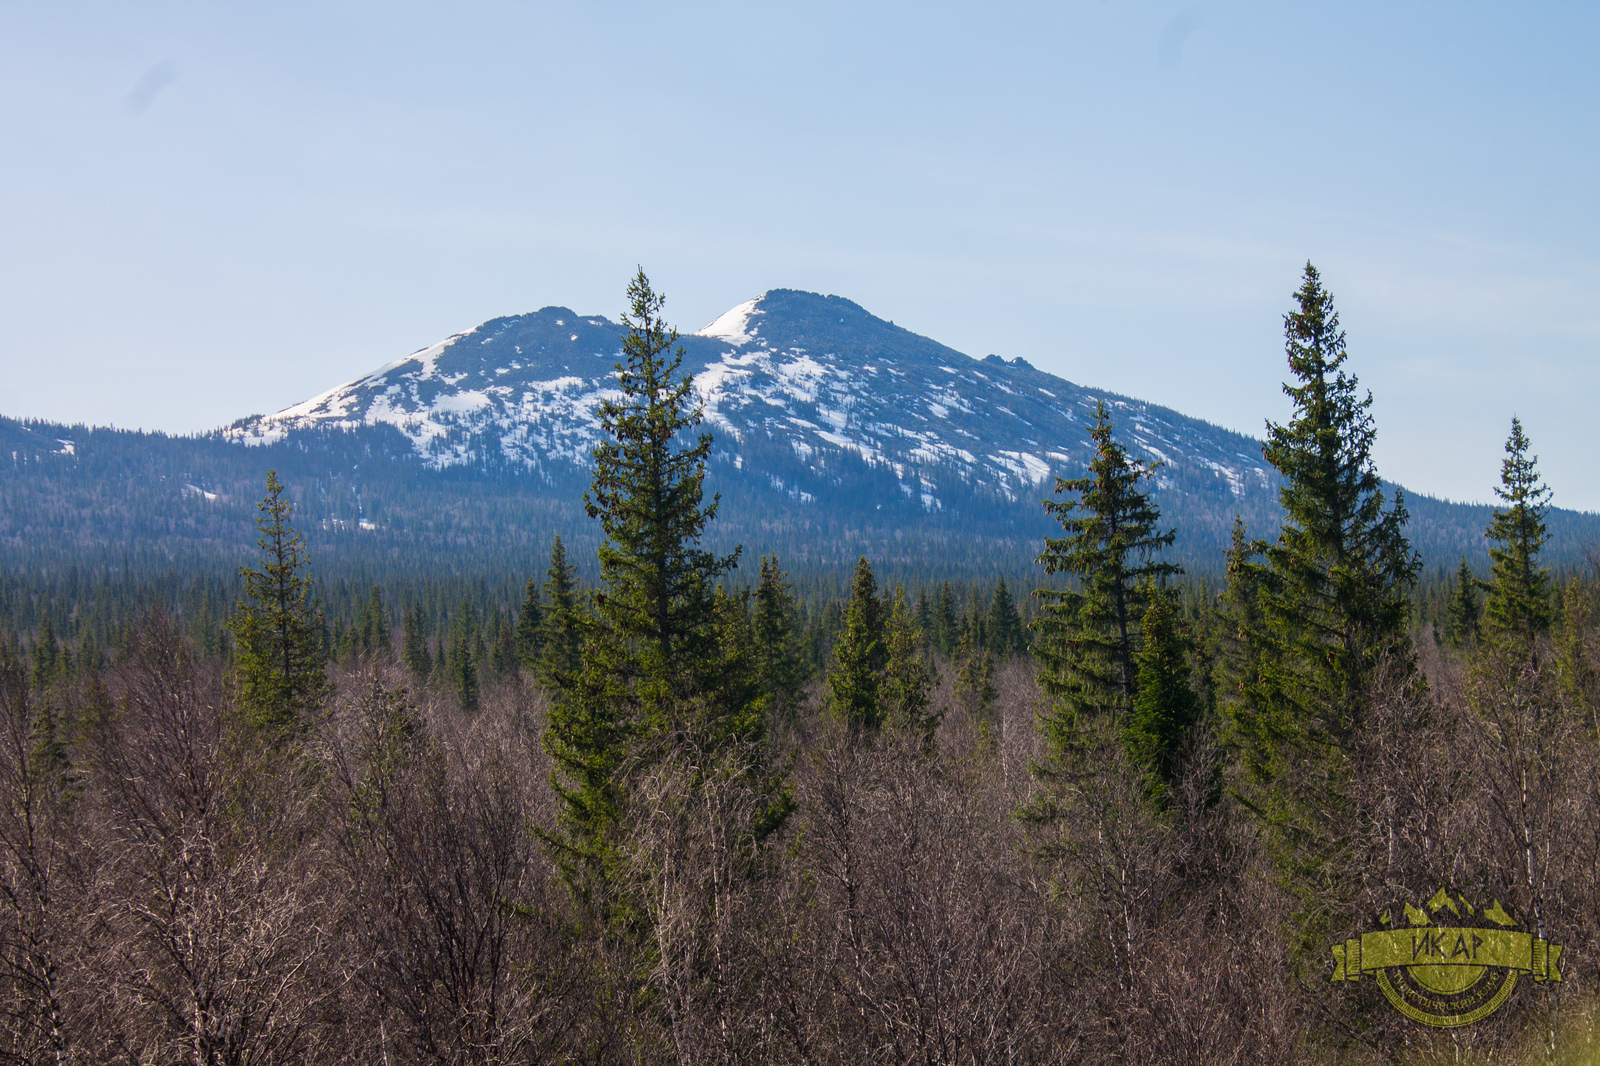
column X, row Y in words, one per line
column 210, row 935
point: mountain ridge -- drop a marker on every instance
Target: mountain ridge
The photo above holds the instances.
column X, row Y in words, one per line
column 837, row 433
column 819, row 374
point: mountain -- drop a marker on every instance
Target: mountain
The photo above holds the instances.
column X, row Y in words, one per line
column 798, row 380
column 837, row 433
column 817, row 405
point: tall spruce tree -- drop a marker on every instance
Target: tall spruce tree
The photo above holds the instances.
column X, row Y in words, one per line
column 466, row 657
column 946, row 628
column 1330, row 615
column 855, row 674
column 414, row 644
column 1087, row 637
column 923, row 617
column 648, row 494
column 976, row 622
column 373, row 626
column 974, row 685
column 1577, row 676
column 1518, row 606
column 1165, row 708
column 561, row 635
column 529, row 634
column 46, row 655
column 280, row 663
column 1004, row 624
column 1462, row 611
column 656, row 672
column 780, row 666
column 1237, row 657
column 908, row 678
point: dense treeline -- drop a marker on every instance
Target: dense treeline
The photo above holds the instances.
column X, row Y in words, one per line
column 653, row 813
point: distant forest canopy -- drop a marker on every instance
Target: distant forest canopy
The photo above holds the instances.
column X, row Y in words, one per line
column 143, row 504
column 129, row 519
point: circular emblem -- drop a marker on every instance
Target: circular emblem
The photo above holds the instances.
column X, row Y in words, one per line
column 1447, row 965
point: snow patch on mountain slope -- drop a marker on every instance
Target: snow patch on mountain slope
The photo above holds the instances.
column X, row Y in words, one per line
column 1031, row 468
column 733, row 326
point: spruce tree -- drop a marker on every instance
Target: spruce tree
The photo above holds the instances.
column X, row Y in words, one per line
column 503, row 653
column 975, row 623
column 414, row 644
column 374, row 626
column 1461, row 621
column 1330, row 614
column 655, row 671
column 46, row 655
column 1518, row 606
column 1087, row 637
column 780, row 667
column 1577, row 677
column 648, row 493
column 908, row 677
column 855, row 674
column 975, row 679
column 465, row 657
column 530, row 626
column 923, row 616
column 561, row 636
column 280, row 662
column 1237, row 663
column 946, row 628
column 1165, row 708
column 1004, row 624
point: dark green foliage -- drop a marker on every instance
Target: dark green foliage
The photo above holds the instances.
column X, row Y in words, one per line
column 530, row 626
column 1087, row 636
column 502, row 648
column 781, row 669
column 1577, row 671
column 373, row 626
column 1461, row 621
column 908, row 677
column 656, row 670
column 1166, row 709
column 1518, row 607
column 923, row 617
column 860, row 653
column 414, row 645
column 975, row 625
column 50, row 660
column 1239, row 647
column 561, row 636
column 1003, row 627
column 975, row 678
column 1332, row 609
column 946, row 628
column 31, row 722
column 466, row 653
column 280, row 665
column 648, row 495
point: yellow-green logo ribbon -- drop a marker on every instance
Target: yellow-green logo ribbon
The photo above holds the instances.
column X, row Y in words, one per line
column 1447, row 946
column 1446, row 975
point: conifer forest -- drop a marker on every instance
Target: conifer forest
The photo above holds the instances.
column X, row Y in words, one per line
column 669, row 799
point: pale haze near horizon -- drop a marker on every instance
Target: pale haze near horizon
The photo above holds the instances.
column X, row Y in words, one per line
column 210, row 211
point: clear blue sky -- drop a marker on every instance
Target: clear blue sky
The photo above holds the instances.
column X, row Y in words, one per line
column 211, row 210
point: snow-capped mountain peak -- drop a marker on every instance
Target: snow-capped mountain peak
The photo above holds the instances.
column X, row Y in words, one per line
column 808, row 395
column 734, row 326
